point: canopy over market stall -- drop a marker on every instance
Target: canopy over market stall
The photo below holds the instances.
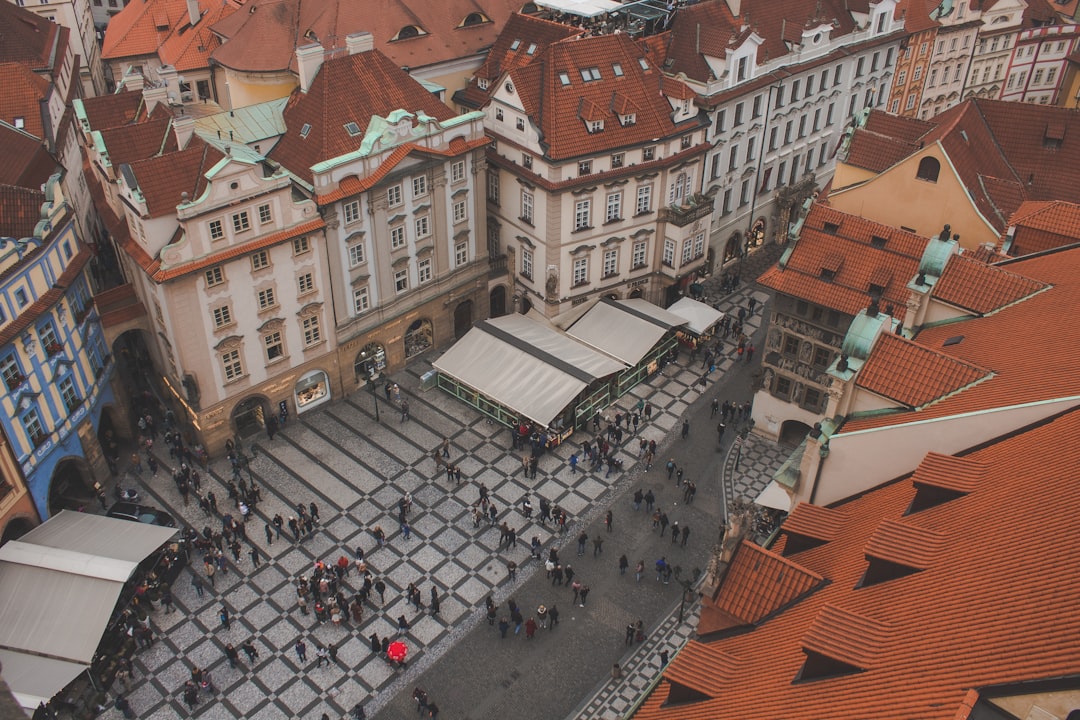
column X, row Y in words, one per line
column 59, row 585
column 699, row 317
column 581, row 8
column 625, row 329
column 522, row 365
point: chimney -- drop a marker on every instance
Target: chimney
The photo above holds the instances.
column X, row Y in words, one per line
column 154, row 96
column 359, row 42
column 184, row 127
column 133, row 80
column 193, row 11
column 309, row 58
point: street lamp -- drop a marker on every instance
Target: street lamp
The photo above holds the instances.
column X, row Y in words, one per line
column 687, row 586
column 372, row 377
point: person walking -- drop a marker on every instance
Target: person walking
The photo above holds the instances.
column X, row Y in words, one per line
column 124, row 706
column 301, row 650
column 597, row 546
column 197, row 584
column 584, row 594
column 232, row 655
column 530, row 628
column 623, row 564
column 609, row 520
column 166, row 598
column 674, row 532
column 223, row 616
column 251, row 651
column 639, row 570
column 554, row 614
column 269, row 534
column 581, row 540
column 685, row 429
column 434, row 601
column 685, row 534
column 254, row 552
column 504, row 625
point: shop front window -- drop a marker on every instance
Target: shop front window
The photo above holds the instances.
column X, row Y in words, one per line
column 370, row 361
column 312, row 389
column 418, row 338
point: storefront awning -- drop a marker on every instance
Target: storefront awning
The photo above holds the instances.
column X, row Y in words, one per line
column 624, row 329
column 59, row 584
column 774, row 496
column 525, row 365
column 581, row 8
column 699, row 317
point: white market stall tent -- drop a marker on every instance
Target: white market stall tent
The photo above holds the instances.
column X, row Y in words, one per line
column 699, row 317
column 59, row 585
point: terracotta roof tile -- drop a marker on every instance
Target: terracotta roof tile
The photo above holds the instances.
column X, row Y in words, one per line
column 376, row 85
column 21, row 94
column 109, row 111
column 555, row 107
column 129, row 143
column 697, row 31
column 913, row 375
column 981, row 288
column 770, row 20
column 904, row 544
column 885, row 140
column 149, row 26
column 20, row 211
column 759, row 583
column 814, row 521
column 995, row 606
column 25, row 161
column 28, row 39
column 163, row 179
column 189, row 47
column 849, row 251
column 960, row 474
column 1039, row 226
column 263, row 37
column 1023, row 372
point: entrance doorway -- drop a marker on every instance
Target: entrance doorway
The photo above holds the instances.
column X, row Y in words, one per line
column 497, row 301
column 462, row 319
column 249, row 416
column 16, row 529
column 72, row 485
column 370, row 361
column 793, row 432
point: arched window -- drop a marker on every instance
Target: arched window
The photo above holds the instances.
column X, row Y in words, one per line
column 929, row 167
column 409, row 31
column 474, row 18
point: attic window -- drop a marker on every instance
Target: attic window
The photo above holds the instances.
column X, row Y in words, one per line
column 828, row 275
column 474, row 18
column 595, row 126
column 929, row 169
column 643, row 63
column 482, row 83
column 879, row 571
column 627, row 120
column 409, row 31
column 531, row 50
column 954, row 340
column 564, row 79
column 589, row 74
column 305, row 130
column 617, row 69
column 820, row 667
column 515, row 45
column 928, row 496
column 352, row 128
column 877, row 241
column 20, row 123
column 830, row 228
column 797, row 542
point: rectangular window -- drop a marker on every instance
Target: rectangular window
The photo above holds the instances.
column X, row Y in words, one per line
column 611, row 262
column 214, row 276
column 423, row 226
column 581, row 271
column 217, row 231
column 273, row 345
column 493, row 186
column 802, row 126
column 644, row 199
column 461, row 213
column 817, row 119
column 393, row 196
column 312, row 332
column 423, row 270
column 617, row 160
column 305, row 284
column 744, row 193
column 757, row 106
column 361, row 300
column 648, row 154
column 9, row 369
column 519, row 123
column 260, row 260
column 357, row 255
column 582, row 214
column 300, row 245
column 699, row 245
column 230, row 361
column 266, row 298
column 584, row 167
column 47, row 336
column 780, row 169
column 751, row 147
column 829, row 112
column 687, row 250
column 401, row 280
column 352, row 212
column 774, row 133
column 733, row 156
column 222, row 316
column 241, row 222
column 69, row 395
column 640, row 254
column 614, row 207
column 721, row 121
column 738, row 114
column 795, row 86
column 457, row 171
column 31, row 423
column 397, row 237
column 264, row 214
column 461, row 254
column 669, row 252
column 859, row 67
column 916, row 73
column 789, row 127
column 726, row 207
column 527, row 262
column 837, row 75
column 527, row 206
column 526, row 161
column 419, row 186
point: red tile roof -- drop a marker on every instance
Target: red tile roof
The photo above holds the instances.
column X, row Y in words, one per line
column 815, row 521
column 164, row 178
column 28, row 39
column 995, row 606
column 21, row 94
column 20, row 211
column 263, row 37
column 855, row 261
column 782, row 23
column 519, row 42
column 1029, row 346
column 913, row 375
column 163, row 28
column 885, row 140
column 697, row 31
column 757, row 584
column 129, row 143
column 114, row 110
column 25, row 161
column 377, row 86
column 980, row 288
column 559, row 110
column 905, row 544
column 1038, row 226
column 1004, row 152
column 960, row 474
column 916, row 15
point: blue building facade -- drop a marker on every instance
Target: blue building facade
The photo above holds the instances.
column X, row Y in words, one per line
column 55, row 366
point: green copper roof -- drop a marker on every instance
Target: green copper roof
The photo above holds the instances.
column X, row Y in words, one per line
column 936, row 255
column 861, row 335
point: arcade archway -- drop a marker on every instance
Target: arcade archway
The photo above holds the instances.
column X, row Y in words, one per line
column 71, row 486
column 793, row 432
column 370, row 361
column 16, row 529
column 462, row 318
column 419, row 337
column 497, row 301
column 249, row 415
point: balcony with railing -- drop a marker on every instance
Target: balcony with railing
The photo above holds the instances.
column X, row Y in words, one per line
column 694, row 208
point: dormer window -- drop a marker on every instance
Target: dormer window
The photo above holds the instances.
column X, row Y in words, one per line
column 409, row 31
column 474, row 18
column 617, row 69
column 595, row 126
column 643, row 63
column 564, row 79
column 482, row 83
column 627, row 120
column 515, row 45
column 531, row 49
column 741, row 69
column 589, row 74
column 352, row 128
